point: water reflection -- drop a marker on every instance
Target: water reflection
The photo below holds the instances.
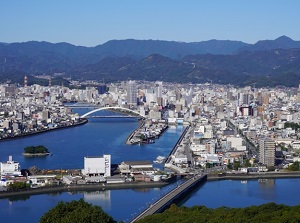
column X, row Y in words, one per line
column 99, row 198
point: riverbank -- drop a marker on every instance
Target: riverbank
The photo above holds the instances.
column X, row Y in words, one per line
column 83, row 187
column 35, row 154
column 141, row 125
column 267, row 175
column 81, row 122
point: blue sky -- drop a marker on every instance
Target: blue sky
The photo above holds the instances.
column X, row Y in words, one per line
column 94, row 22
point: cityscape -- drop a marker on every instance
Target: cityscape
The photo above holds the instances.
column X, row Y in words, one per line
column 149, row 111
column 229, row 132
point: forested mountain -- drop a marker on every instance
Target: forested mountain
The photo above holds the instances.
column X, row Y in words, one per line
column 268, row 62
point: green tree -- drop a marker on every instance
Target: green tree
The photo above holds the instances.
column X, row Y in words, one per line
column 36, row 149
column 18, row 186
column 247, row 163
column 294, row 166
column 236, row 165
column 76, row 211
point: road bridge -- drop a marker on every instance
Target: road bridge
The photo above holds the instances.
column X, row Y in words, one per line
column 173, row 196
column 126, row 110
column 111, row 116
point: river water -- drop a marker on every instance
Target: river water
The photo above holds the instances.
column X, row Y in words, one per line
column 107, row 136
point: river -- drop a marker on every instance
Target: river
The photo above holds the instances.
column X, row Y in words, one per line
column 107, row 136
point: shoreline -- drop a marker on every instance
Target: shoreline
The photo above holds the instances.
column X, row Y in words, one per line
column 275, row 175
column 82, row 122
column 133, row 132
column 81, row 187
column 135, row 185
column 35, row 154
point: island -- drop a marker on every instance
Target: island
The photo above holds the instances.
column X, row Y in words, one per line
column 36, row 151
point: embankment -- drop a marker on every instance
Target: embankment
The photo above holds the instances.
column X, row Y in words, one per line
column 82, row 187
column 82, row 122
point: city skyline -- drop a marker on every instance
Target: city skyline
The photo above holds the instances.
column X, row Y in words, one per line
column 95, row 23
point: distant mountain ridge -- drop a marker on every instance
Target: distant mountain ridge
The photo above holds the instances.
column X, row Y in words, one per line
column 267, row 62
column 282, row 42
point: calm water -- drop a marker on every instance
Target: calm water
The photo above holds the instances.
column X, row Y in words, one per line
column 235, row 193
column 99, row 136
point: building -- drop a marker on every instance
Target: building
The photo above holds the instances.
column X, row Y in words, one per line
column 102, row 88
column 10, row 168
column 267, row 152
column 97, row 166
column 131, row 93
column 136, row 168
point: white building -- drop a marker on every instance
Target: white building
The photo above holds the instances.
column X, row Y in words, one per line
column 10, row 168
column 234, row 142
column 97, row 166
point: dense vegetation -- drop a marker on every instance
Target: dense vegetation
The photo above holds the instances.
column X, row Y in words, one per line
column 292, row 125
column 18, row 186
column 267, row 63
column 80, row 211
column 36, row 149
column 76, row 211
column 294, row 166
column 270, row 212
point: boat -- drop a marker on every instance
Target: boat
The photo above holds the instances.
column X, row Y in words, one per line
column 159, row 159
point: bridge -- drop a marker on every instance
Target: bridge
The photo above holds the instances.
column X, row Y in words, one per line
column 127, row 110
column 172, row 197
column 81, row 105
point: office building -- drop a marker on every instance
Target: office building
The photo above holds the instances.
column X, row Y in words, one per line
column 131, row 93
column 267, row 152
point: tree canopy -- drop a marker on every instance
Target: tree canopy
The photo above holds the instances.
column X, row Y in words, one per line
column 76, row 211
column 36, row 149
column 270, row 212
column 18, row 186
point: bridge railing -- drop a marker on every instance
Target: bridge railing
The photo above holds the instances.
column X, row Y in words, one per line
column 170, row 196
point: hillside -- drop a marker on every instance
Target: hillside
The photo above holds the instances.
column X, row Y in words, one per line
column 265, row 63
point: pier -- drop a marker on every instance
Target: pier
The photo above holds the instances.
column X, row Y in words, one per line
column 169, row 160
column 173, row 196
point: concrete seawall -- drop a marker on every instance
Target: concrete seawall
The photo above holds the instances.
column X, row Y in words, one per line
column 275, row 175
column 82, row 187
column 141, row 125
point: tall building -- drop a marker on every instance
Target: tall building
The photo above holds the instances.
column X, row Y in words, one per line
column 25, row 81
column 267, row 152
column 131, row 93
column 102, row 88
column 45, row 115
column 158, row 89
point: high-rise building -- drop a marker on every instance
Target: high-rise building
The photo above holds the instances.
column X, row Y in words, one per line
column 131, row 93
column 267, row 152
column 102, row 88
column 25, row 81
column 45, row 115
column 158, row 89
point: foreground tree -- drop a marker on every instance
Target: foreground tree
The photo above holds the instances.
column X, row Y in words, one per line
column 76, row 211
column 270, row 212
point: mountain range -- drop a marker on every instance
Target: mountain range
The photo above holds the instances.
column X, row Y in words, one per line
column 265, row 63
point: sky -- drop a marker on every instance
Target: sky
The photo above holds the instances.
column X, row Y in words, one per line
column 94, row 22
